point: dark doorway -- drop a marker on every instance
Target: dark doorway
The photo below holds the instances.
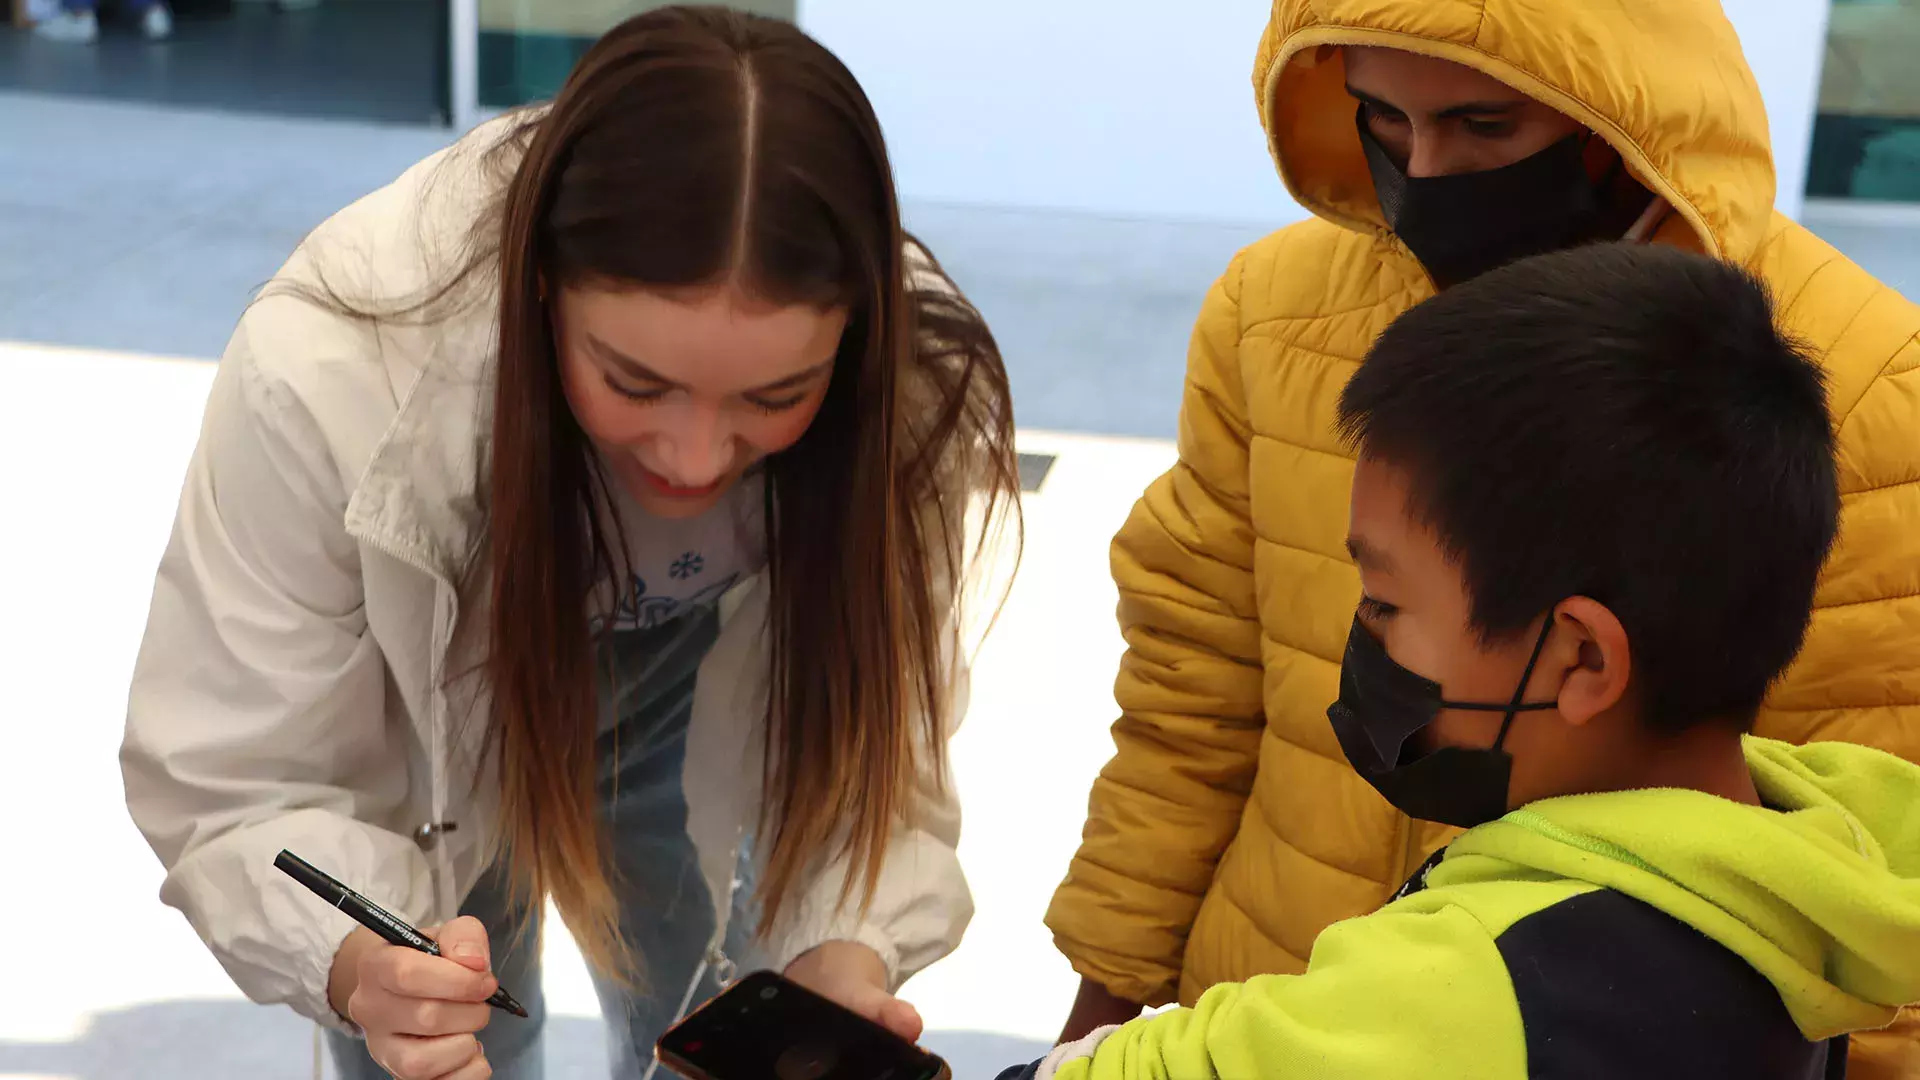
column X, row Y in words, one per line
column 381, row 60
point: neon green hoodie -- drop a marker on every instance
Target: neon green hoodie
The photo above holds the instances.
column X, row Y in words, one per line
column 1639, row 933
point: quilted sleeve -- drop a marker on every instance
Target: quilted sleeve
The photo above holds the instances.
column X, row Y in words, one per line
column 1189, row 690
column 1858, row 677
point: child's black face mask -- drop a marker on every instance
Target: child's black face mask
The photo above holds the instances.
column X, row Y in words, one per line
column 1383, row 706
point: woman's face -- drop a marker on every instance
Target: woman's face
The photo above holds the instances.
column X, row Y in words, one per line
column 1438, row 118
column 682, row 391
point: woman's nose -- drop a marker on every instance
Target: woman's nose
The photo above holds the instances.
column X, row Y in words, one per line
column 698, row 450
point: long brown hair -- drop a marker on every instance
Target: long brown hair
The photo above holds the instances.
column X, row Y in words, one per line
column 694, row 146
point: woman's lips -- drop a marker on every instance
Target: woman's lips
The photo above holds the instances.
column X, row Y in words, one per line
column 663, row 486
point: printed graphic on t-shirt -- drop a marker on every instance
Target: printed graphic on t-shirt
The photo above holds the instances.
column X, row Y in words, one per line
column 675, row 565
column 642, row 610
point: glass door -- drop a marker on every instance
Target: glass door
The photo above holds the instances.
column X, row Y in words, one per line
column 1866, row 137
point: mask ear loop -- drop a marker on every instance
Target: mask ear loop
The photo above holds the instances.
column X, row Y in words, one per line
column 1518, row 705
column 1606, row 180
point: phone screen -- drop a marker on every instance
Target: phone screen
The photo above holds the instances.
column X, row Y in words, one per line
column 767, row 1028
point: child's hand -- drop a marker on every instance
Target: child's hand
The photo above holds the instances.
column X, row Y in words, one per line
column 853, row 975
column 1095, row 1008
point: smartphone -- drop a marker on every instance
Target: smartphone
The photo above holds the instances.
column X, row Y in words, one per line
column 764, row 1027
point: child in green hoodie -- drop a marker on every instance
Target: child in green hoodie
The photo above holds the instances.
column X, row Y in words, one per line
column 1594, row 495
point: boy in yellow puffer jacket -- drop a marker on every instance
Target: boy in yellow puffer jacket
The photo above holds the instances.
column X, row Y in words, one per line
column 1431, row 139
column 1594, row 494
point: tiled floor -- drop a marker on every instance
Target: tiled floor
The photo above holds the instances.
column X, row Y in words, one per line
column 96, row 443
column 145, row 229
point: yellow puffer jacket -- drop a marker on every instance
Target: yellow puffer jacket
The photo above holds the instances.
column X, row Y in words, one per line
column 1228, row 830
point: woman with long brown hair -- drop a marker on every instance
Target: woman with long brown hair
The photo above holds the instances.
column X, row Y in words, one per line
column 584, row 517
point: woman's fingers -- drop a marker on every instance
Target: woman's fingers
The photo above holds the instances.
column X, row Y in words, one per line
column 477, row 1069
column 880, row 1007
column 420, row 1011
column 464, row 941
column 411, row 1058
column 902, row 1019
column 853, row 976
column 406, row 973
column 426, row 1018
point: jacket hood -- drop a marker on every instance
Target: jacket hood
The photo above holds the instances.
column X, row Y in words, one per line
column 1665, row 83
column 1821, row 893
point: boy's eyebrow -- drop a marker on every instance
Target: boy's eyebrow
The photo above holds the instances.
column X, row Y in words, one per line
column 1451, row 112
column 1368, row 557
column 634, row 369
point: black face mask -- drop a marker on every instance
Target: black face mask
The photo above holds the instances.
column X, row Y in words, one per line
column 1462, row 225
column 1383, row 706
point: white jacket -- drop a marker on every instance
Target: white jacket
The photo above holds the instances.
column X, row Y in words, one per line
column 291, row 690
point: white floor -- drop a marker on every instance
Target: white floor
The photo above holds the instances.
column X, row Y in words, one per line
column 99, row 981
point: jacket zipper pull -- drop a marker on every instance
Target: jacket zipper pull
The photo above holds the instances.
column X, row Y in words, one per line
column 428, row 835
column 724, row 970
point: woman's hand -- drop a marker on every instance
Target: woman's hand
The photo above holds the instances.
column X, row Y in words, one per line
column 854, row 976
column 421, row 1013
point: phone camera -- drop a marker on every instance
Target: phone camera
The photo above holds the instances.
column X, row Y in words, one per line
column 769, row 993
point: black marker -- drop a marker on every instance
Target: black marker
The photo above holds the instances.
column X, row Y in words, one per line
column 368, row 914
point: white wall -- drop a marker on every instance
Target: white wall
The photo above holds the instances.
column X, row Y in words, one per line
column 1131, row 109
column 1784, row 41
column 1117, row 107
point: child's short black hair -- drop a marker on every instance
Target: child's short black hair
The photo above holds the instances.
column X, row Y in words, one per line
column 1626, row 423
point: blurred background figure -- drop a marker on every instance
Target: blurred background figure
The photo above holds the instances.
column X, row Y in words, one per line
column 77, row 22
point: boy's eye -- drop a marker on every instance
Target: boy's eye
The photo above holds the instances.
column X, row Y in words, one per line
column 1372, row 610
column 1489, row 129
column 1380, row 115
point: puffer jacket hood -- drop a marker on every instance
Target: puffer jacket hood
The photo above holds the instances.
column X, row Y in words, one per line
column 1623, row 933
column 1665, row 84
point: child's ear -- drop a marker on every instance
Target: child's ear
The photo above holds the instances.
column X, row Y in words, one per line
column 1597, row 675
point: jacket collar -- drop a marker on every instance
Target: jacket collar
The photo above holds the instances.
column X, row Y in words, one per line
column 419, row 498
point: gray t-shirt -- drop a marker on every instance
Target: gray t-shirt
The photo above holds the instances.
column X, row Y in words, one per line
column 674, row 566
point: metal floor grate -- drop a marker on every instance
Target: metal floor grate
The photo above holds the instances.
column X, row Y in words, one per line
column 1034, row 469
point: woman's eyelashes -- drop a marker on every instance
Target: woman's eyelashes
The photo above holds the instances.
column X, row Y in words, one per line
column 776, row 405
column 648, row 394
column 652, row 394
